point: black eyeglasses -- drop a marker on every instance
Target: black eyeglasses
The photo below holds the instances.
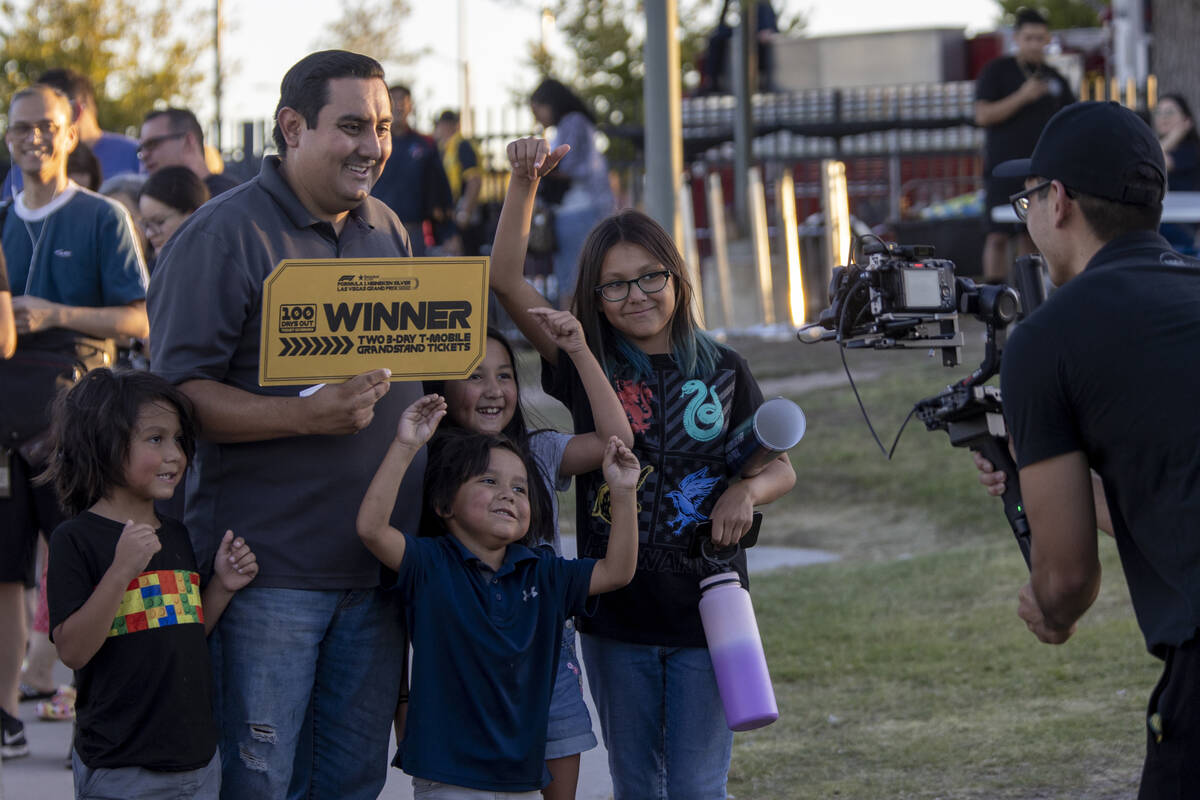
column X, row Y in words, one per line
column 1020, row 200
column 148, row 145
column 651, row 282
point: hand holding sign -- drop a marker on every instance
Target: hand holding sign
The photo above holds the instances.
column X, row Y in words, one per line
column 347, row 407
column 531, row 157
column 562, row 327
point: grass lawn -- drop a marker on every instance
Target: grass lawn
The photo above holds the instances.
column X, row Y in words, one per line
column 902, row 670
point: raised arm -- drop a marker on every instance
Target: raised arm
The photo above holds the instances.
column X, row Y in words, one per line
column 531, row 159
column 585, row 451
column 417, row 425
column 616, row 569
column 228, row 414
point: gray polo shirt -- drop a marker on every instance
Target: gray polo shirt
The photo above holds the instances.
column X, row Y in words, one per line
column 294, row 499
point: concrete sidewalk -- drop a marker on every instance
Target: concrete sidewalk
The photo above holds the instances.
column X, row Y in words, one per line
column 42, row 776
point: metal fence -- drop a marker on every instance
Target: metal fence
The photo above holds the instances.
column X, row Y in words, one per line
column 905, row 149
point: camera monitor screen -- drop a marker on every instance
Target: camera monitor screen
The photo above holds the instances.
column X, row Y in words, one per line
column 922, row 289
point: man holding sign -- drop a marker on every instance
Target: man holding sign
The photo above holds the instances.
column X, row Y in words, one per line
column 308, row 655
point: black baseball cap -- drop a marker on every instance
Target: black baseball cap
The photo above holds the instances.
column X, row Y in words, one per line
column 1098, row 148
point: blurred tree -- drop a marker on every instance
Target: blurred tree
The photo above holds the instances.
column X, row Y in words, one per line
column 1059, row 14
column 126, row 47
column 372, row 27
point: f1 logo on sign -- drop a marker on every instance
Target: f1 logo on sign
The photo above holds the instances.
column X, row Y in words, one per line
column 333, row 319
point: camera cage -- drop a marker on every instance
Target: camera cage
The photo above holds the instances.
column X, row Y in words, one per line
column 868, row 309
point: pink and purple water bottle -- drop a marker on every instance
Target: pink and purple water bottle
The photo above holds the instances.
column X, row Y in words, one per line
column 737, row 653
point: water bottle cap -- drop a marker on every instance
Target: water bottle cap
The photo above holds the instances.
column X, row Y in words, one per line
column 720, row 579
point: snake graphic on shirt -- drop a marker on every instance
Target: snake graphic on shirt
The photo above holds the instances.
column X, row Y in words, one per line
column 703, row 419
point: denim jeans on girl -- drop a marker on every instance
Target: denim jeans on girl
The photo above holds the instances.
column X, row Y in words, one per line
column 308, row 684
column 662, row 720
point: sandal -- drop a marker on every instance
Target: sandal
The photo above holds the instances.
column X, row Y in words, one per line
column 28, row 692
column 59, row 708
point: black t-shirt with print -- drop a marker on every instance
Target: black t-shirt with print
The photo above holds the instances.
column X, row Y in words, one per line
column 679, row 430
column 145, row 698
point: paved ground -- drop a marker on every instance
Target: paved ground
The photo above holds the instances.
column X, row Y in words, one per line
column 41, row 775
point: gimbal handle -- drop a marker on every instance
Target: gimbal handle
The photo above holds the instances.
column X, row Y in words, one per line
column 995, row 450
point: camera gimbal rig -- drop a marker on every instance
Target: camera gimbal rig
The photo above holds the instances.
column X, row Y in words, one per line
column 874, row 307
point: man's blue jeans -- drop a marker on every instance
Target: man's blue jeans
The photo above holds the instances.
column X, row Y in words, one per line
column 662, row 720
column 308, row 683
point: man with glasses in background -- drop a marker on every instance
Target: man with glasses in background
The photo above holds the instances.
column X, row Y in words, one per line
column 172, row 137
column 117, row 154
column 75, row 271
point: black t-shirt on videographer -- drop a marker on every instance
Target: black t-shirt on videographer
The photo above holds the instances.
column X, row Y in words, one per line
column 1100, row 368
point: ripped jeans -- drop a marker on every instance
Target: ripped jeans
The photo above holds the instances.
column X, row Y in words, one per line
column 307, row 683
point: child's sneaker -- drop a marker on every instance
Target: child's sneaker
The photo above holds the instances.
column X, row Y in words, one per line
column 13, row 744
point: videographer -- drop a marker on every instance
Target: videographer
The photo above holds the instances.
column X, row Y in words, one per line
column 1102, row 377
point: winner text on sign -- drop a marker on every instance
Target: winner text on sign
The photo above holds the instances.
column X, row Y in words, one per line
column 326, row 320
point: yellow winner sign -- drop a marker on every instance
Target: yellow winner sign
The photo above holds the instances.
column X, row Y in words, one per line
column 325, row 320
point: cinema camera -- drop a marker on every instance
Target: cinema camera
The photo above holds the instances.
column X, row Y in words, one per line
column 905, row 298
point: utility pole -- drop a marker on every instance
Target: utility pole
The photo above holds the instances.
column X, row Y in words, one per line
column 664, row 130
column 464, row 72
column 217, row 68
column 1130, row 51
column 745, row 80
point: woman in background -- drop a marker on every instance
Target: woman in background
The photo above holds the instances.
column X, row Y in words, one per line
column 168, row 197
column 1176, row 130
column 581, row 179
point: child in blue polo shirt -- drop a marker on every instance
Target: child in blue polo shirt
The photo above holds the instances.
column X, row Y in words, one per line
column 485, row 607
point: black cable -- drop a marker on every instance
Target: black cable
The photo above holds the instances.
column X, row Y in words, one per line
column 872, row 236
column 842, row 330
column 866, row 418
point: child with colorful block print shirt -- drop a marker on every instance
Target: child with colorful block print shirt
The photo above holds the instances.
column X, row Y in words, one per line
column 126, row 607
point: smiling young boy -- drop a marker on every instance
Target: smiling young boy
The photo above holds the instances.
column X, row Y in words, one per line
column 484, row 605
column 127, row 610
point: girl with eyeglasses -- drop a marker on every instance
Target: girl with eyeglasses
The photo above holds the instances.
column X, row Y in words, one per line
column 644, row 649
